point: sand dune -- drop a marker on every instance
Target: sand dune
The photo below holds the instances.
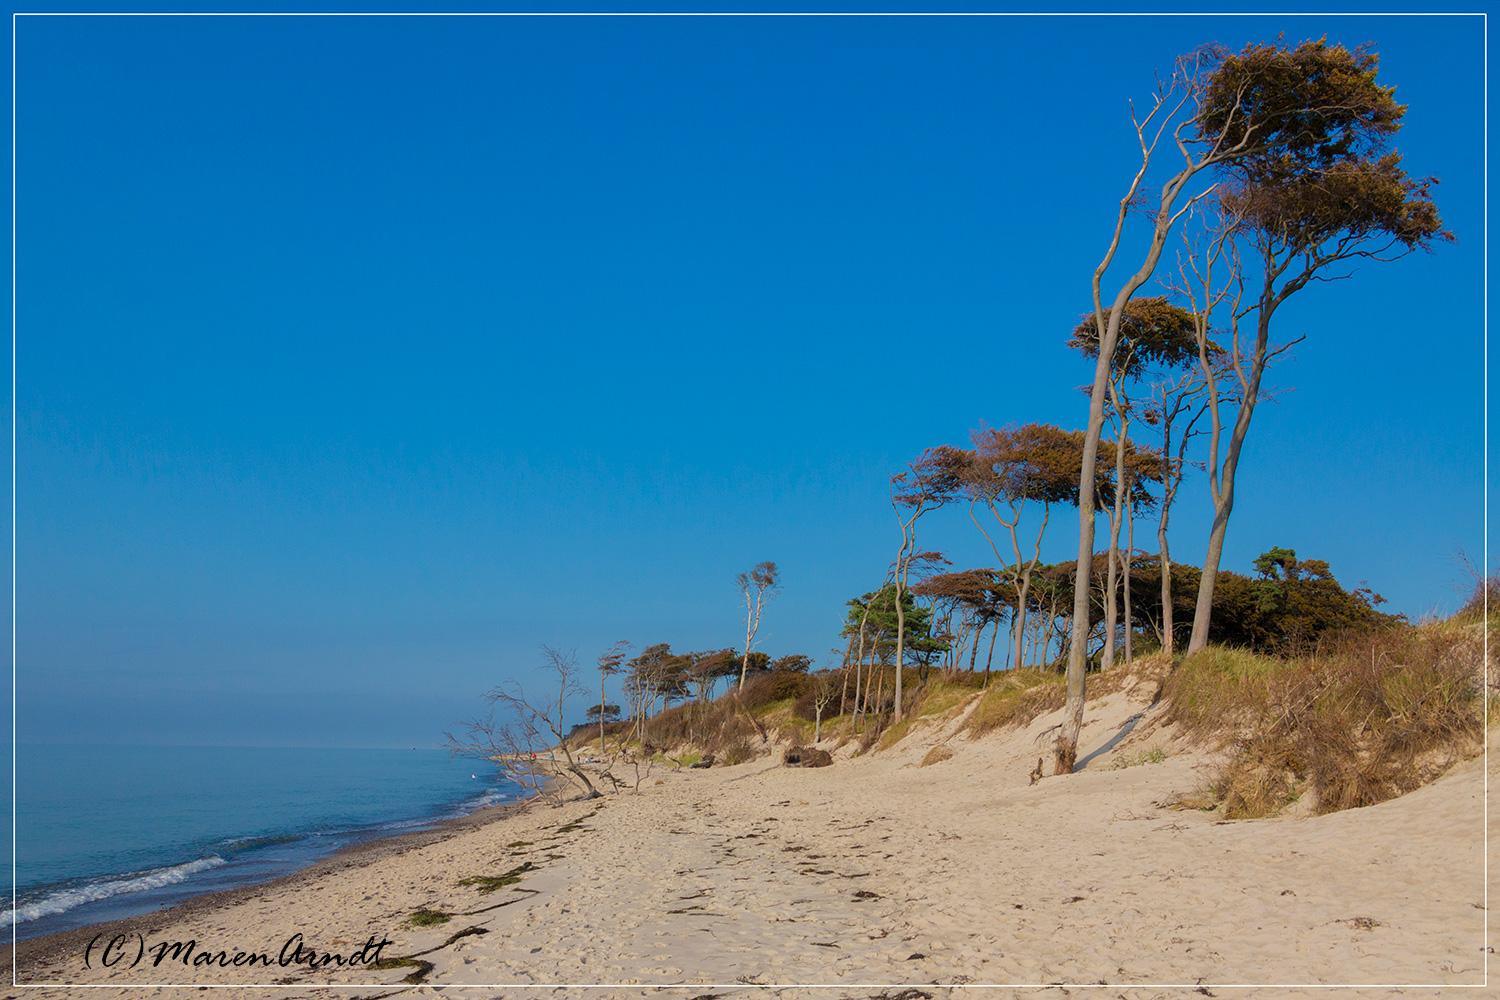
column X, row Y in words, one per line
column 876, row 876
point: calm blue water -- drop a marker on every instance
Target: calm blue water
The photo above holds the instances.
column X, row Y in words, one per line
column 109, row 832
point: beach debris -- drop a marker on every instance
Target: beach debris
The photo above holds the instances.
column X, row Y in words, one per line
column 1362, row 923
column 525, row 893
column 489, row 883
column 423, row 968
column 428, row 918
column 866, row 894
column 707, row 761
column 1036, row 774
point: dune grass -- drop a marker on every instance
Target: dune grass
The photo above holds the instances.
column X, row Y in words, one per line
column 1014, row 698
column 1366, row 720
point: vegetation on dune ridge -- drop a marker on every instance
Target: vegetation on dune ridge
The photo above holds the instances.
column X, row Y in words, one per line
column 1367, row 717
column 1370, row 718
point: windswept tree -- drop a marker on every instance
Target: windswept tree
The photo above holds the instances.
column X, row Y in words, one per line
column 890, row 623
column 610, row 662
column 648, row 677
column 794, row 663
column 705, row 669
column 978, row 597
column 759, row 586
column 1155, row 337
column 1296, row 214
column 1270, row 103
column 1010, row 470
column 603, row 713
column 929, row 483
column 860, row 639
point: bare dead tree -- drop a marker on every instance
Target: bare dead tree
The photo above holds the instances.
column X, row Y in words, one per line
column 529, row 733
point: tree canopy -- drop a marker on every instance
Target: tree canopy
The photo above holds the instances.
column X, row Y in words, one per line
column 880, row 627
column 1298, row 109
column 1154, row 333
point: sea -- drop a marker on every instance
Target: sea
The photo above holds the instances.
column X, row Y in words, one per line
column 106, row 832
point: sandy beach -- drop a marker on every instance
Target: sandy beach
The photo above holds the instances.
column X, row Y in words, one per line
column 874, row 877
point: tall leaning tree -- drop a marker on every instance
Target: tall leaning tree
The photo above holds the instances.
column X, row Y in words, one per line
column 1294, row 216
column 1214, row 111
column 1155, row 337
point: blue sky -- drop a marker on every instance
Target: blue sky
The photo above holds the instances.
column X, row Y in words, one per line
column 358, row 357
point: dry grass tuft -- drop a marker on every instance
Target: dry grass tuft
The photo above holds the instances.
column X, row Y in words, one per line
column 735, row 751
column 1376, row 717
column 937, row 755
column 1014, row 698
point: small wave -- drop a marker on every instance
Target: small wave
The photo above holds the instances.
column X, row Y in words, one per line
column 64, row 900
column 491, row 797
column 238, row 844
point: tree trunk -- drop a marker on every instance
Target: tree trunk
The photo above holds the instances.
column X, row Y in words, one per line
column 1067, row 742
column 1125, row 571
column 1224, row 499
column 844, row 688
column 900, row 647
column 1111, row 588
column 1018, row 634
column 1204, row 608
column 1122, row 495
column 1108, row 326
column 1166, row 583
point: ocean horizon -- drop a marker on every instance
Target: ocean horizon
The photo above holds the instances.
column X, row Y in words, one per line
column 106, row 832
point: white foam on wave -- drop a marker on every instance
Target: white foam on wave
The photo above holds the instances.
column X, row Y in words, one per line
column 66, row 899
column 491, row 797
